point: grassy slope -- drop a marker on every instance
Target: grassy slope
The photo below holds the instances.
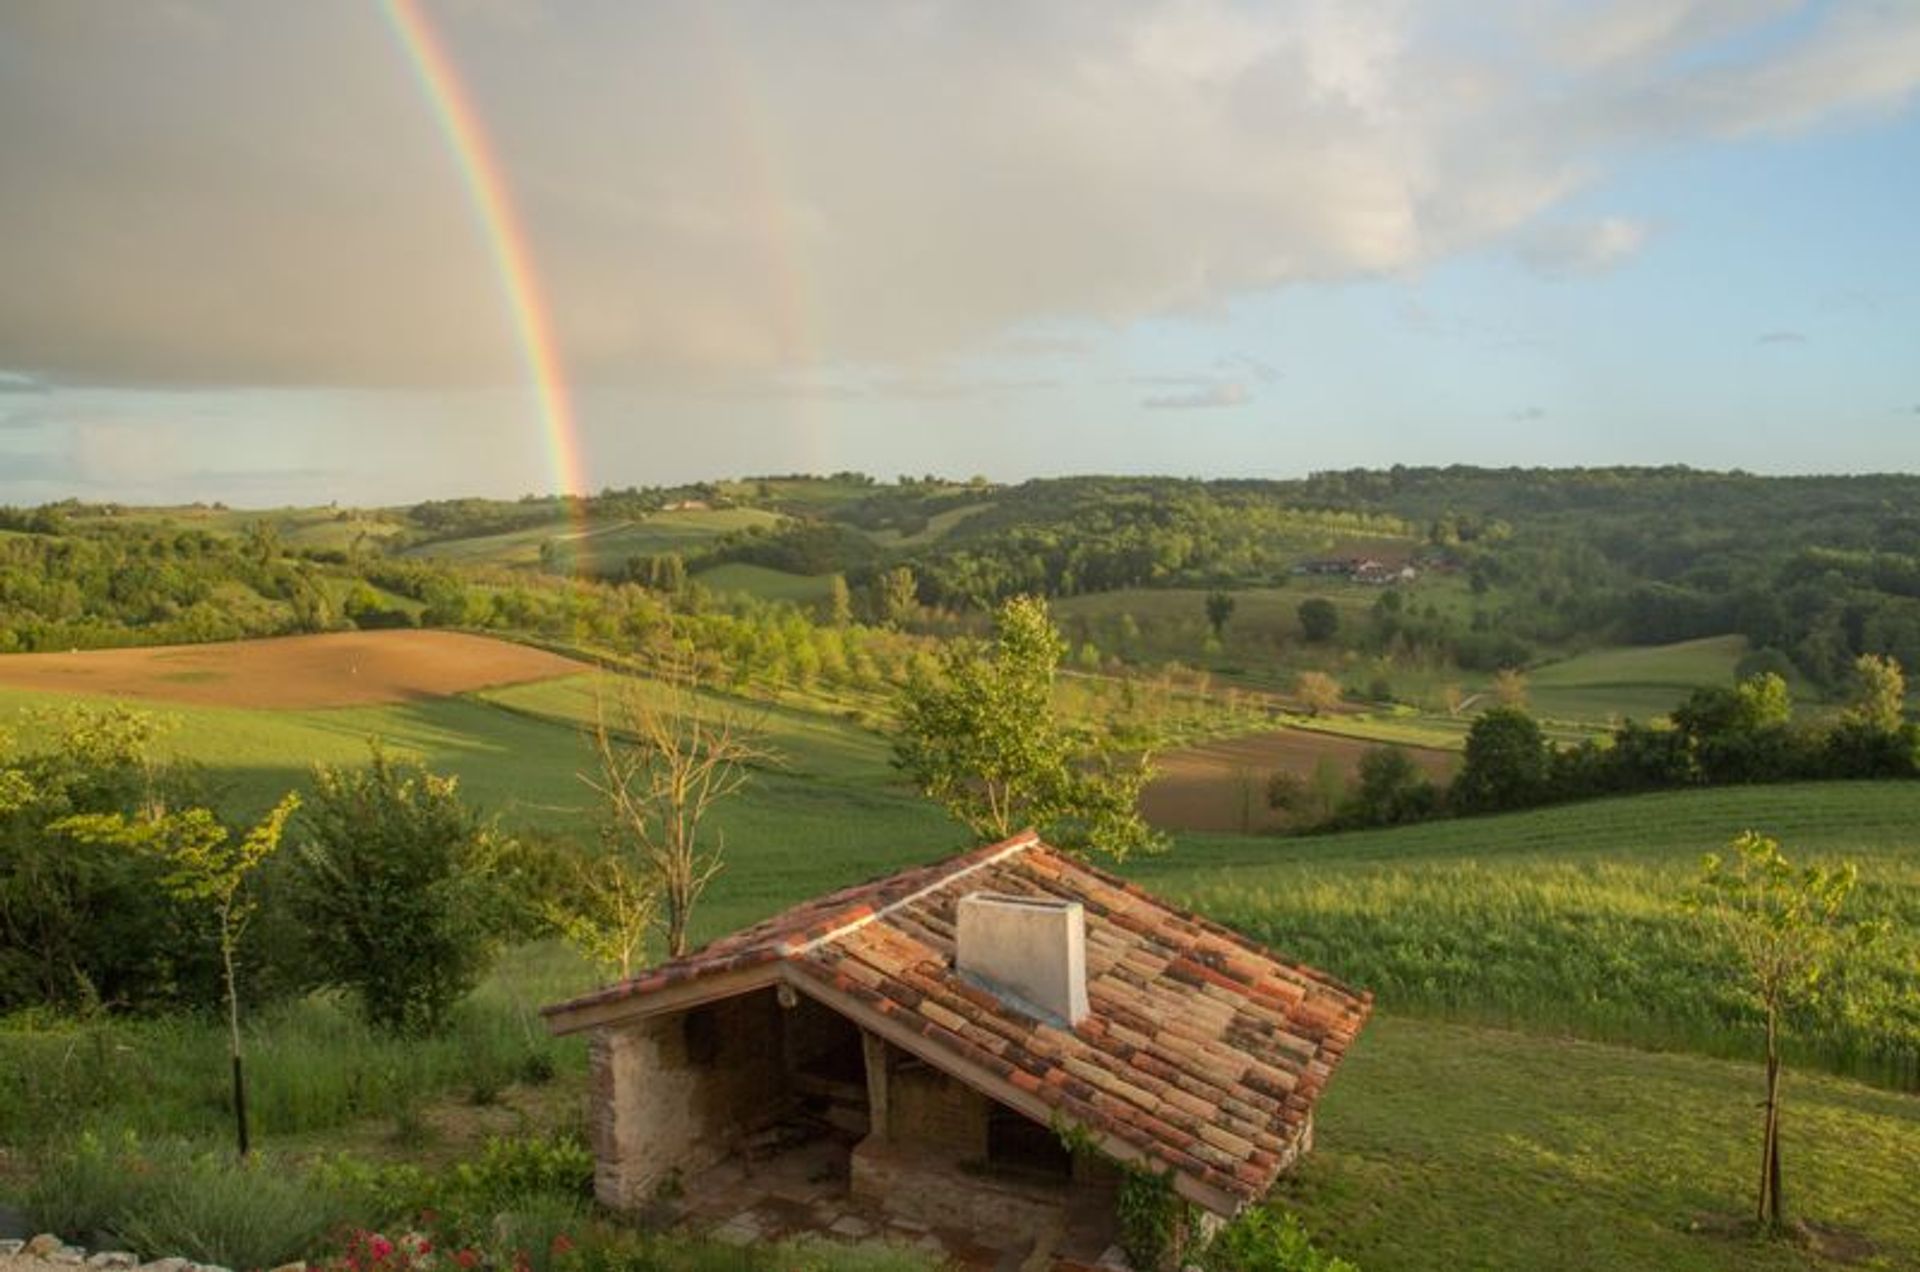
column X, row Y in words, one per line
column 766, row 583
column 602, row 544
column 1570, row 918
column 1642, row 682
column 833, row 815
column 1448, row 1146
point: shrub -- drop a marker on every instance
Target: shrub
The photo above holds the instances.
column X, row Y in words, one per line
column 1261, row 1240
column 398, row 883
column 1391, row 789
column 167, row 1199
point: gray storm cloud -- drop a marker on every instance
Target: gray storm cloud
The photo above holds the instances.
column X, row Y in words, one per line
column 252, row 192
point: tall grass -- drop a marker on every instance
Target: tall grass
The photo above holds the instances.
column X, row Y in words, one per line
column 311, row 1065
column 1570, row 920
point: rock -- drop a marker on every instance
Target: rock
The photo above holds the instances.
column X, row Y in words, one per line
column 291, row 1267
column 10, row 1248
column 42, row 1246
column 66, row 1255
column 112, row 1259
column 851, row 1226
column 743, row 1229
column 165, row 1265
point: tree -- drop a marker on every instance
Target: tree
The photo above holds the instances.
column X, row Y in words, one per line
column 666, row 758
column 1319, row 620
column 1510, row 687
column 1219, row 610
column 606, row 910
column 398, row 881
column 1879, row 694
column 1785, row 927
column 1739, row 734
column 203, row 866
column 839, row 602
column 981, row 737
column 897, row 597
column 1391, row 789
column 1506, row 762
column 1317, row 691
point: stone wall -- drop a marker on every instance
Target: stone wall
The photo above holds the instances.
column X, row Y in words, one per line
column 929, row 1108
column 674, row 1094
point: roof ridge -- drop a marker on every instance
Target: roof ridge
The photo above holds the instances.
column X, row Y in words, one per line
column 978, row 859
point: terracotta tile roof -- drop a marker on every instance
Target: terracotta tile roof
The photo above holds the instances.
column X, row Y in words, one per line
column 1202, row 1051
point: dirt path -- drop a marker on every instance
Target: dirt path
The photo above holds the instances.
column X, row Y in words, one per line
column 336, row 669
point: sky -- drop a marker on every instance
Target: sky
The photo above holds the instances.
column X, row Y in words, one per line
column 242, row 261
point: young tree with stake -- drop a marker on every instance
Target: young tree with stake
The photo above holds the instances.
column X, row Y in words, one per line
column 1784, row 924
column 205, row 865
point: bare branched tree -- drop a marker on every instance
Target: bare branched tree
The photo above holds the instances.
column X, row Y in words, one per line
column 667, row 755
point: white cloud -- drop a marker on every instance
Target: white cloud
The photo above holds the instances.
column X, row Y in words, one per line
column 254, row 191
column 1203, row 395
column 1584, row 247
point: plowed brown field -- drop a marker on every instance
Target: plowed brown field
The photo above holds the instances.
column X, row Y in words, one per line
column 1223, row 785
column 337, row 669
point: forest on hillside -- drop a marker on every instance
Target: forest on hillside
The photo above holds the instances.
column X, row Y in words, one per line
column 1812, row 571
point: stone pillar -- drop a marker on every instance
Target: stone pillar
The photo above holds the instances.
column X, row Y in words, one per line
column 609, row 1070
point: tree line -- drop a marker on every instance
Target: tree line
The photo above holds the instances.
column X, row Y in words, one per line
column 1719, row 735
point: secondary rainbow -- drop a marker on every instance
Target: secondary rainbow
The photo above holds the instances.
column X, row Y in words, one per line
column 505, row 236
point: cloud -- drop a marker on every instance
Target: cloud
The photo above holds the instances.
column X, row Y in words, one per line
column 1205, row 395
column 1528, row 414
column 1260, row 368
column 13, row 382
column 913, row 386
column 1588, row 247
column 1037, row 345
column 254, row 192
column 1781, row 337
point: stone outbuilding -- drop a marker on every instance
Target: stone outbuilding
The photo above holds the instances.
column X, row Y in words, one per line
column 955, row 1025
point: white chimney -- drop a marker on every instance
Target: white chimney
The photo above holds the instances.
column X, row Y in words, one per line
column 1031, row 951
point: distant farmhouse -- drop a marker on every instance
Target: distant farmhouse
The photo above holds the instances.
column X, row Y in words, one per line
column 955, row 1027
column 1368, row 570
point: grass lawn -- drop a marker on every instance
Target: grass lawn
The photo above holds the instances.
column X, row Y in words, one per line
column 1450, row 1146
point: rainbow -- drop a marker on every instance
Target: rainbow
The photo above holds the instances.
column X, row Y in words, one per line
column 506, row 237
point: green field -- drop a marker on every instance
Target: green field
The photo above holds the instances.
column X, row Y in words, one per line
column 1262, row 644
column 598, row 548
column 937, row 528
column 765, row 583
column 1638, row 681
column 1569, row 918
column 834, row 812
column 1452, row 1146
